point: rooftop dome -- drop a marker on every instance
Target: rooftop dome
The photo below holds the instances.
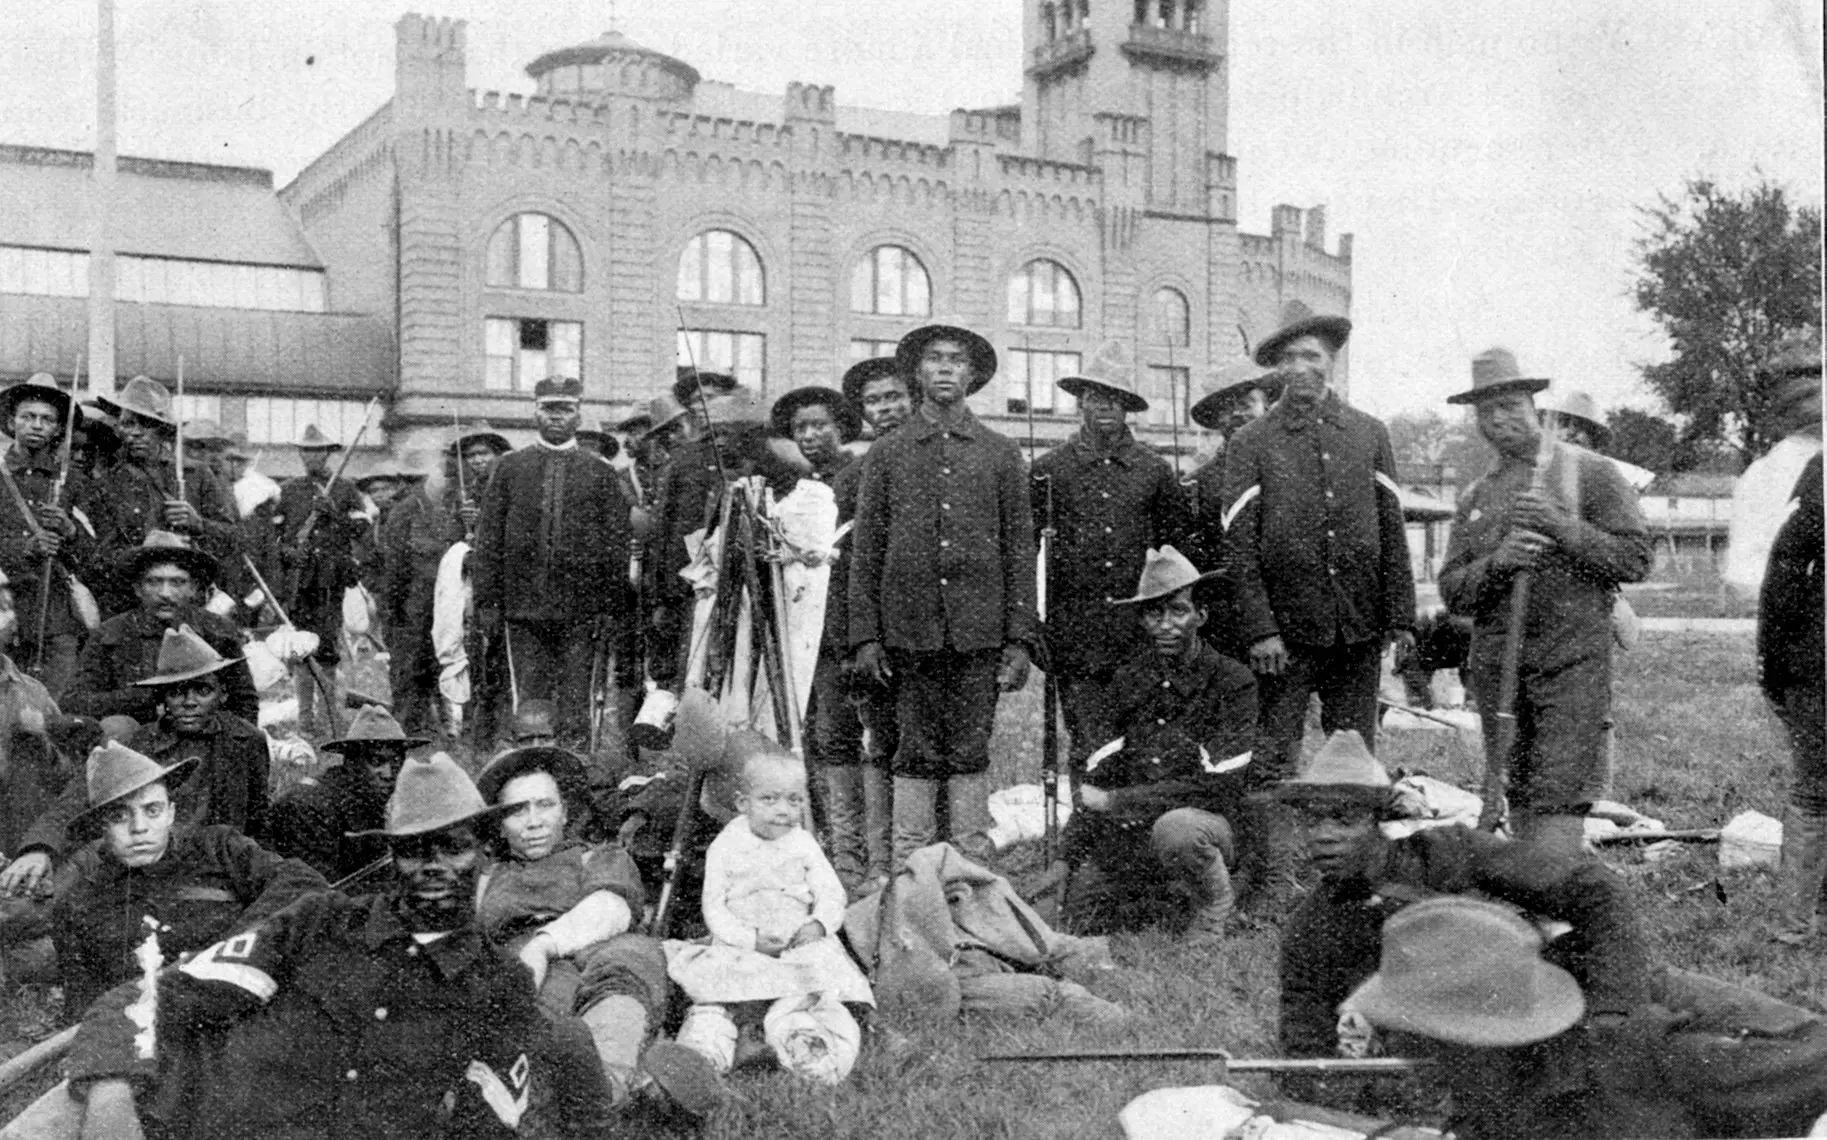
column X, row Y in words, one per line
column 612, row 64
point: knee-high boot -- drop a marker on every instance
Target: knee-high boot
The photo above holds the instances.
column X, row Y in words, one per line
column 914, row 817
column 878, row 820
column 1804, row 868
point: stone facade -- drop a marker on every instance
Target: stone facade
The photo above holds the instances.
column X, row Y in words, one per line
column 1113, row 168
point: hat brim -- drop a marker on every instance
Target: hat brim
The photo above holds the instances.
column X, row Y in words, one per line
column 1335, row 331
column 1378, row 796
column 982, row 353
column 636, row 425
column 346, row 743
column 326, row 445
column 171, row 777
column 117, row 410
column 843, row 412
column 1209, row 412
column 1164, row 593
column 1528, row 384
column 11, row 398
column 1077, row 386
column 1600, row 433
column 866, row 372
column 201, row 564
column 493, row 439
column 430, row 827
column 1418, row 1007
column 686, row 385
column 189, row 675
column 566, row 769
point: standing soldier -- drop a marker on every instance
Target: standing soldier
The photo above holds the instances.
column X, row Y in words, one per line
column 942, row 586
column 1574, row 524
column 479, row 448
column 139, row 493
column 1112, row 499
column 423, row 525
column 1242, row 393
column 49, row 541
column 550, row 568
column 1319, row 553
column 320, row 521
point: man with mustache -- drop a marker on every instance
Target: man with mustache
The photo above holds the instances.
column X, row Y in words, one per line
column 382, row 1015
column 942, row 586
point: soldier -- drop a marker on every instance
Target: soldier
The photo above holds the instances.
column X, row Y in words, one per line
column 942, row 585
column 1568, row 517
column 329, row 820
column 32, row 773
column 425, row 523
column 1241, row 393
column 480, row 448
column 139, row 493
column 550, row 568
column 320, row 520
column 1112, row 500
column 50, row 540
column 1792, row 671
column 1315, row 539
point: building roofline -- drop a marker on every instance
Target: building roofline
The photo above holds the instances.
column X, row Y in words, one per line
column 147, row 167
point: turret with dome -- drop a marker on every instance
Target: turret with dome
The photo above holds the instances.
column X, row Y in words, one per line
column 612, row 64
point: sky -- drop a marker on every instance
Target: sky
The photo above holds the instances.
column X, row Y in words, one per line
column 1491, row 160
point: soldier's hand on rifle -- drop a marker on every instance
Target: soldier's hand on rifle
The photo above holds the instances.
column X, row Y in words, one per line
column 45, row 543
column 1520, row 550
column 1543, row 514
column 1094, row 799
column 1013, row 674
column 488, row 620
column 1269, row 656
column 872, row 663
column 22, row 875
column 770, row 944
column 56, row 520
column 469, row 513
column 181, row 516
column 806, row 935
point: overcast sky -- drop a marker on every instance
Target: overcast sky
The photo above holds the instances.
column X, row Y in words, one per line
column 1491, row 159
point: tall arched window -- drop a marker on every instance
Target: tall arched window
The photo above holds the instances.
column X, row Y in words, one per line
column 1173, row 318
column 721, row 268
column 534, row 251
column 890, row 281
column 1042, row 292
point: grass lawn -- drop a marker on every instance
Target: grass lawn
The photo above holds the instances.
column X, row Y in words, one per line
column 1696, row 745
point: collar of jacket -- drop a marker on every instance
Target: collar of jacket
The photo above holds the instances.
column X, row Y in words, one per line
column 567, row 445
column 922, row 426
column 1125, row 449
column 146, row 624
column 1325, row 411
column 18, row 461
column 843, row 460
column 162, row 738
column 1189, row 677
column 452, row 954
column 108, row 869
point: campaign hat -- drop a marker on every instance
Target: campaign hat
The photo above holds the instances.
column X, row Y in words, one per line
column 373, row 726
column 144, row 397
column 662, row 412
column 431, row 794
column 1342, row 769
column 565, row 767
column 1335, row 331
column 1112, row 371
column 114, row 772
column 861, row 374
column 1577, row 405
column 206, row 432
column 314, row 440
column 1496, row 373
column 166, row 546
column 483, row 431
column 1165, row 572
column 1230, row 383
column 982, row 354
column 849, row 421
column 183, row 656
column 689, row 382
column 606, row 445
column 38, row 386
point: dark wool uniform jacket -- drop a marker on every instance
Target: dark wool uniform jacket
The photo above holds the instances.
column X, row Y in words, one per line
column 125, row 649
column 943, row 550
column 329, row 1020
column 414, row 539
column 211, row 882
column 1790, row 654
column 1109, row 507
column 227, row 786
column 129, row 500
column 315, row 819
column 552, row 542
column 330, row 555
column 1313, row 528
column 1571, row 594
column 22, row 568
column 687, row 488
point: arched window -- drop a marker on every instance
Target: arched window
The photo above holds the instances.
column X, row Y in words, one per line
column 720, row 268
column 534, row 251
column 1173, row 323
column 1042, row 292
column 891, row 282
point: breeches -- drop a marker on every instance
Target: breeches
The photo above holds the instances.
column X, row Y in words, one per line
column 837, row 729
column 413, row 673
column 1559, row 765
column 1344, row 676
column 1803, row 710
column 319, row 609
column 552, row 661
column 946, row 705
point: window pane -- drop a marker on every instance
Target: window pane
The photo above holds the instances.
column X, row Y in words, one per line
column 720, row 285
column 691, row 272
column 568, row 349
column 748, row 268
column 272, row 289
column 919, row 288
column 1018, row 298
column 751, row 361
column 592, row 77
column 888, row 281
column 500, row 272
column 535, row 252
column 567, row 261
column 862, row 284
column 498, row 339
column 12, row 270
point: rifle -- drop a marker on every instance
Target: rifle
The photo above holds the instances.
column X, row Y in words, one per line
column 317, row 671
column 675, row 851
column 1503, row 742
column 1049, row 704
column 1358, row 1066
column 323, row 498
column 56, row 499
column 177, row 422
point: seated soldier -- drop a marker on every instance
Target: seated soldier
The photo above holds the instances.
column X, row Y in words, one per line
column 1527, row 1052
column 169, row 579
column 230, row 788
column 1162, row 799
column 567, row 910
column 383, row 1015
column 321, row 820
column 194, row 885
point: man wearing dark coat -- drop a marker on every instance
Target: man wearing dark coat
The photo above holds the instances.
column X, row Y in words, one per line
column 1316, row 546
column 421, row 528
column 321, row 522
column 328, row 820
column 550, row 568
column 942, row 585
column 1112, row 499
column 1568, row 517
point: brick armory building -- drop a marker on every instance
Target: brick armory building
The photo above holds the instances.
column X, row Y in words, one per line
column 630, row 215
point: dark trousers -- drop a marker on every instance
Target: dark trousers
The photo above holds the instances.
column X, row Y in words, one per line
column 945, row 702
column 1803, row 710
column 1344, row 676
column 1560, row 763
column 836, row 728
column 552, row 661
column 412, row 672
column 319, row 610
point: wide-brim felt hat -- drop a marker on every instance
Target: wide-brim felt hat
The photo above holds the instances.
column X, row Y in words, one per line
column 566, row 769
column 1335, row 331
column 1577, row 405
column 1343, row 768
column 1470, row 972
column 1165, row 572
column 865, row 372
column 1111, row 371
column 430, row 795
column 689, row 382
column 662, row 412
column 606, row 445
column 1230, row 384
column 1496, row 373
column 982, row 353
column 373, row 725
column 183, row 656
column 483, row 431
column 315, row 440
column 115, row 771
column 388, row 472
column 144, row 397
column 206, row 432
column 39, row 386
column 843, row 412
column 165, row 546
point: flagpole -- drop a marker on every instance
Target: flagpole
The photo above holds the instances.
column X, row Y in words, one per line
column 101, row 214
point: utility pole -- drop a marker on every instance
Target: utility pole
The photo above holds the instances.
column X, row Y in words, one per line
column 101, row 216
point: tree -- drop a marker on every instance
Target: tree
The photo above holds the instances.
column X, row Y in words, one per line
column 1430, row 440
column 1640, row 438
column 1729, row 278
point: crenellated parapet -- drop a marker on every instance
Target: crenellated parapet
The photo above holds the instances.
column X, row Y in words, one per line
column 857, row 150
column 358, row 156
column 997, row 127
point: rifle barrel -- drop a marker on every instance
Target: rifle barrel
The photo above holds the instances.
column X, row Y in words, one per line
column 1363, row 1065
